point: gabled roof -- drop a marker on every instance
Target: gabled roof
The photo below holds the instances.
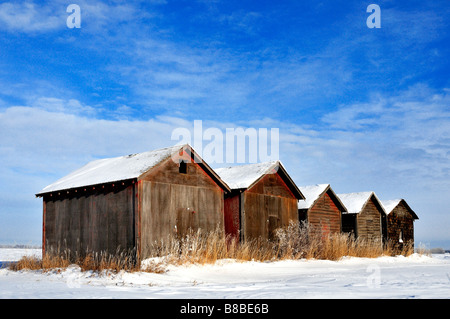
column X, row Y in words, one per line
column 355, row 202
column 121, row 168
column 245, row 176
column 390, row 205
column 314, row 192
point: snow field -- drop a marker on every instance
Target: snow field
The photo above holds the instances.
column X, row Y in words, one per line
column 416, row 276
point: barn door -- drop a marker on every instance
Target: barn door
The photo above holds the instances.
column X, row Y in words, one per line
column 272, row 207
column 184, row 206
column 231, row 218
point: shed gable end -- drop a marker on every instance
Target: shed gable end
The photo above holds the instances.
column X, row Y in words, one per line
column 272, row 184
column 168, row 171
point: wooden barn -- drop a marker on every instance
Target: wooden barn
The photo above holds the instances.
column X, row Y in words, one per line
column 263, row 198
column 365, row 216
column 131, row 201
column 321, row 208
column 400, row 223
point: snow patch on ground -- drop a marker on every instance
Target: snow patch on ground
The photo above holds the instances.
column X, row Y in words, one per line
column 415, row 276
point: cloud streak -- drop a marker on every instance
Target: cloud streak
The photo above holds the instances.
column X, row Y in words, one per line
column 35, row 18
column 27, row 17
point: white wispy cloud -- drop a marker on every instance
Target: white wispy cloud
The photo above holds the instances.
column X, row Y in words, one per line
column 36, row 17
column 28, row 17
column 403, row 138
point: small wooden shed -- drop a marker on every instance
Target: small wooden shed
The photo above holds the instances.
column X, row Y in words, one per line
column 321, row 208
column 365, row 216
column 129, row 202
column 400, row 223
column 263, row 198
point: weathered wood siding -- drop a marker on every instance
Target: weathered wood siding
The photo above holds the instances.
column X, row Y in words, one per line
column 232, row 211
column 101, row 221
column 369, row 222
column 325, row 214
column 400, row 227
column 268, row 205
column 171, row 203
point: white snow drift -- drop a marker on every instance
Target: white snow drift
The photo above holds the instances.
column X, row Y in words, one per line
column 416, row 276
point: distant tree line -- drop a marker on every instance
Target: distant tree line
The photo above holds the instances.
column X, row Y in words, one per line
column 20, row 246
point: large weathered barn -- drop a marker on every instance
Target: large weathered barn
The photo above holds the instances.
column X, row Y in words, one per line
column 263, row 198
column 321, row 208
column 131, row 201
column 365, row 216
column 400, row 223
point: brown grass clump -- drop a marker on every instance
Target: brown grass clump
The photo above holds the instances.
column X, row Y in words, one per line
column 395, row 248
column 301, row 240
column 46, row 263
column 27, row 262
column 92, row 261
column 203, row 248
column 101, row 261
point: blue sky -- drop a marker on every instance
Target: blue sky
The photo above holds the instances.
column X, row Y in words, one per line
column 359, row 108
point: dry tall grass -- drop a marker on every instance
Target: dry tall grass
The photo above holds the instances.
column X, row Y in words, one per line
column 94, row 261
column 298, row 240
column 202, row 248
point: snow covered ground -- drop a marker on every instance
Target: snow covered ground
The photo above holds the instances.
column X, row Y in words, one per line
column 416, row 276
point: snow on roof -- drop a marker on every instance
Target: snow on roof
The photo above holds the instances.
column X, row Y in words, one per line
column 311, row 193
column 243, row 176
column 355, row 202
column 112, row 169
column 389, row 205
